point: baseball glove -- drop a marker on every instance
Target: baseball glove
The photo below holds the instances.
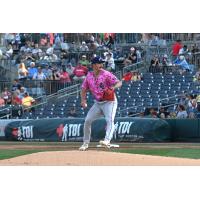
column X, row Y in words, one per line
column 108, row 95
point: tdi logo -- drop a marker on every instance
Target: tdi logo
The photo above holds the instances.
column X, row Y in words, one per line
column 71, row 130
column 24, row 132
column 122, row 127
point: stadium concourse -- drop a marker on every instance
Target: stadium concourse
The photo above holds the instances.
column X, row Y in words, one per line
column 160, row 75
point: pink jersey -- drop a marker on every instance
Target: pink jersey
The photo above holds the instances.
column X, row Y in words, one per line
column 97, row 85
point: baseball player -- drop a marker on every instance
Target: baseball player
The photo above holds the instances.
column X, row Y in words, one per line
column 101, row 84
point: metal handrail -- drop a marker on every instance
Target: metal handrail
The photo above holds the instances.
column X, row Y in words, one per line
column 132, row 66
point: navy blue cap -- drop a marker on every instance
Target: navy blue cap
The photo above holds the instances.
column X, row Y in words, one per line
column 98, row 60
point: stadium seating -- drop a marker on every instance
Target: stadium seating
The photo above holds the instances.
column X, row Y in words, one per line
column 133, row 97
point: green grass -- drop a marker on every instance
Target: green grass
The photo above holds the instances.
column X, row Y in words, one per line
column 11, row 153
column 181, row 153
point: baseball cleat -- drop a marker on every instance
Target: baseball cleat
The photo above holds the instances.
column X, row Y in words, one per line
column 84, row 147
column 105, row 143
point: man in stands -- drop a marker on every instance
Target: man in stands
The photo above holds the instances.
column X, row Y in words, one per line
column 32, row 70
column 155, row 65
column 39, row 75
column 36, row 52
column 16, row 85
column 132, row 57
column 184, row 50
column 176, row 48
column 84, row 61
column 27, row 102
column 84, row 47
column 181, row 112
column 70, row 70
column 6, row 95
column 109, row 62
column 80, row 72
column 183, row 64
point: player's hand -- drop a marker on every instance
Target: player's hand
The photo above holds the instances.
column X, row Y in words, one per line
column 84, row 103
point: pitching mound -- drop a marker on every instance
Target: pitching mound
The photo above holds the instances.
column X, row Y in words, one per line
column 95, row 158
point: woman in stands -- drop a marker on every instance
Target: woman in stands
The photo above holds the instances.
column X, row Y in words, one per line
column 22, row 72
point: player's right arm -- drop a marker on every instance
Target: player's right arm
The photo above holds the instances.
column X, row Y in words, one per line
column 84, row 89
column 83, row 98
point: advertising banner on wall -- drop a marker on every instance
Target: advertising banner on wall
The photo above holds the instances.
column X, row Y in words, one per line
column 126, row 129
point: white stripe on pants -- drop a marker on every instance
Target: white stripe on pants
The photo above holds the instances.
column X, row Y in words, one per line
column 99, row 109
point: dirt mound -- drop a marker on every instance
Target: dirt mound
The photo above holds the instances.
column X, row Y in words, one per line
column 95, row 158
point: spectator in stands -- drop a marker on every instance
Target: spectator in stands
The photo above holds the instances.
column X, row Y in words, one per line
column 47, row 72
column 2, row 102
column 136, row 76
column 39, row 75
column 165, row 63
column 172, row 115
column 21, row 92
column 109, row 41
column 176, row 48
column 22, row 72
column 49, row 50
column 17, row 40
column 6, row 95
column 183, row 64
column 154, row 65
column 163, row 113
column 36, row 52
column 27, row 48
column 184, row 50
column 131, row 58
column 139, row 56
column 127, row 76
column 27, row 102
column 55, row 74
column 84, row 61
column 109, row 62
column 84, row 47
column 181, row 112
column 195, row 49
column 32, row 70
column 64, row 76
column 192, row 105
column 70, row 70
column 9, row 52
column 16, row 85
column 153, row 113
column 43, row 41
column 80, row 72
column 15, row 99
column 72, row 113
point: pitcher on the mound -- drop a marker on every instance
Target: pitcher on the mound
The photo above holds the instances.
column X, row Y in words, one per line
column 101, row 84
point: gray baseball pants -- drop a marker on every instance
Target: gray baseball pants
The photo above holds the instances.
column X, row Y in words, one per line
column 99, row 109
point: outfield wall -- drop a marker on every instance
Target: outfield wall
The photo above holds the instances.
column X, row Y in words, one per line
column 185, row 130
column 126, row 130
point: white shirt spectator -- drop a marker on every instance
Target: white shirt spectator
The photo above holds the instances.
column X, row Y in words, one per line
column 84, row 47
column 182, row 115
column 37, row 50
column 110, row 61
column 39, row 76
column 49, row 51
column 9, row 52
